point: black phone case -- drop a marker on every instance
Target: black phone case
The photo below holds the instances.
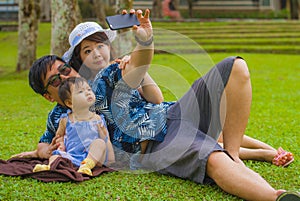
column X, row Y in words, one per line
column 122, row 21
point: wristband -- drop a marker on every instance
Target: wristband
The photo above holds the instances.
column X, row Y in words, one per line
column 144, row 43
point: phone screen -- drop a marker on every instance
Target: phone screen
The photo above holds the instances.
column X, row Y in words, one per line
column 116, row 22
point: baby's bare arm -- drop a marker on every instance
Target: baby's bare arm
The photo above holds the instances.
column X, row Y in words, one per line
column 60, row 133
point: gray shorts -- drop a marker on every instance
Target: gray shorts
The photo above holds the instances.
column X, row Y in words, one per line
column 193, row 127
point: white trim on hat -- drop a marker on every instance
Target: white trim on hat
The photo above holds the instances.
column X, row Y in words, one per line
column 83, row 30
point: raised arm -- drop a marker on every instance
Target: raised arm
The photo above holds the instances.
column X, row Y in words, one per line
column 142, row 55
column 149, row 89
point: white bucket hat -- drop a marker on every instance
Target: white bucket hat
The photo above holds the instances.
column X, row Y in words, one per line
column 83, row 30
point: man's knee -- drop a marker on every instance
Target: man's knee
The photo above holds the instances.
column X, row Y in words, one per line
column 216, row 163
column 213, row 163
column 240, row 70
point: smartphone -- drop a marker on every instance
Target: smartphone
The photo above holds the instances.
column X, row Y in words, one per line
column 116, row 22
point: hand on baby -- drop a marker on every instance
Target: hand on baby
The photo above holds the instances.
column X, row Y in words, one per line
column 28, row 154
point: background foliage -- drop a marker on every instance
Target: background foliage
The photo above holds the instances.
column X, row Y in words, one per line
column 274, row 117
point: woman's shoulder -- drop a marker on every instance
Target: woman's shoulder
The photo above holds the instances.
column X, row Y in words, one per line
column 114, row 67
column 109, row 74
column 111, row 68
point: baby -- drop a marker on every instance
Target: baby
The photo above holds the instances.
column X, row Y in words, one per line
column 86, row 139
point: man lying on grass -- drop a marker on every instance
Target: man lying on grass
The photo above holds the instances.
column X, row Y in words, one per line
column 219, row 166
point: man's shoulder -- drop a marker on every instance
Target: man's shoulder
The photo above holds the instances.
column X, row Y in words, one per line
column 57, row 111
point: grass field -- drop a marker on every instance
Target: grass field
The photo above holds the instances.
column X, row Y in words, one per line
column 274, row 117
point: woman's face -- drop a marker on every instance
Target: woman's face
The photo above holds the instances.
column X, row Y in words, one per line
column 94, row 55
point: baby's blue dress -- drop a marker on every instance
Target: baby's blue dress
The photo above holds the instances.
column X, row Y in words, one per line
column 78, row 138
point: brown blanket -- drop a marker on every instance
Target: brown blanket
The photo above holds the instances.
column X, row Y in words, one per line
column 61, row 170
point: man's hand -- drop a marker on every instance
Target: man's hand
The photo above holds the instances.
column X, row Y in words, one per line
column 60, row 143
column 45, row 150
column 28, row 154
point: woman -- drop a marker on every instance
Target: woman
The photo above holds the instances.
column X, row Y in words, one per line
column 91, row 51
column 173, row 138
column 217, row 164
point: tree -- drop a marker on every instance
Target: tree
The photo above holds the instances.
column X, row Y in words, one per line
column 294, row 7
column 45, row 10
column 190, row 7
column 123, row 4
column 100, row 12
column 28, row 32
column 123, row 43
column 157, row 9
column 64, row 17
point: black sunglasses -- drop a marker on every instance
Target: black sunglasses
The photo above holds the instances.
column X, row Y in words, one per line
column 55, row 80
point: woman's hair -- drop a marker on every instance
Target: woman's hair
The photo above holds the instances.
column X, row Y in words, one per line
column 64, row 91
column 77, row 63
column 38, row 71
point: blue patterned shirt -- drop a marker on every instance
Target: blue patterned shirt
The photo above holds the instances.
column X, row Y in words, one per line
column 130, row 118
column 52, row 123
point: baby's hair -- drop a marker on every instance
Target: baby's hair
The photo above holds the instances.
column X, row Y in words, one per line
column 64, row 91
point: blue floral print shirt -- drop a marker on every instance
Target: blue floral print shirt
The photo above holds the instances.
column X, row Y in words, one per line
column 130, row 118
column 52, row 123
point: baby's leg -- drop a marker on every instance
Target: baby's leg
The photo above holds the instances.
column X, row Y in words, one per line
column 42, row 167
column 95, row 157
column 110, row 155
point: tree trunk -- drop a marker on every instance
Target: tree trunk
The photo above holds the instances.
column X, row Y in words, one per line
column 45, row 10
column 190, row 8
column 63, row 19
column 156, row 9
column 100, row 12
column 123, row 5
column 27, row 34
column 294, row 9
column 123, row 43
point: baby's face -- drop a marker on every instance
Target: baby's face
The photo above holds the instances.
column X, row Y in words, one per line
column 82, row 96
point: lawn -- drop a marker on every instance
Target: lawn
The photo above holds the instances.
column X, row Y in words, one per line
column 274, row 119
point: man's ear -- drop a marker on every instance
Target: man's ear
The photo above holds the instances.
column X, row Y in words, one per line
column 68, row 103
column 48, row 97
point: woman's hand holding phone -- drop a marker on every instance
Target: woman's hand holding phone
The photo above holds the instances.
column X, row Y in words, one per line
column 141, row 25
column 144, row 32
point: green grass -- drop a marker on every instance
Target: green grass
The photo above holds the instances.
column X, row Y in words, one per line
column 241, row 36
column 9, row 47
column 274, row 119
